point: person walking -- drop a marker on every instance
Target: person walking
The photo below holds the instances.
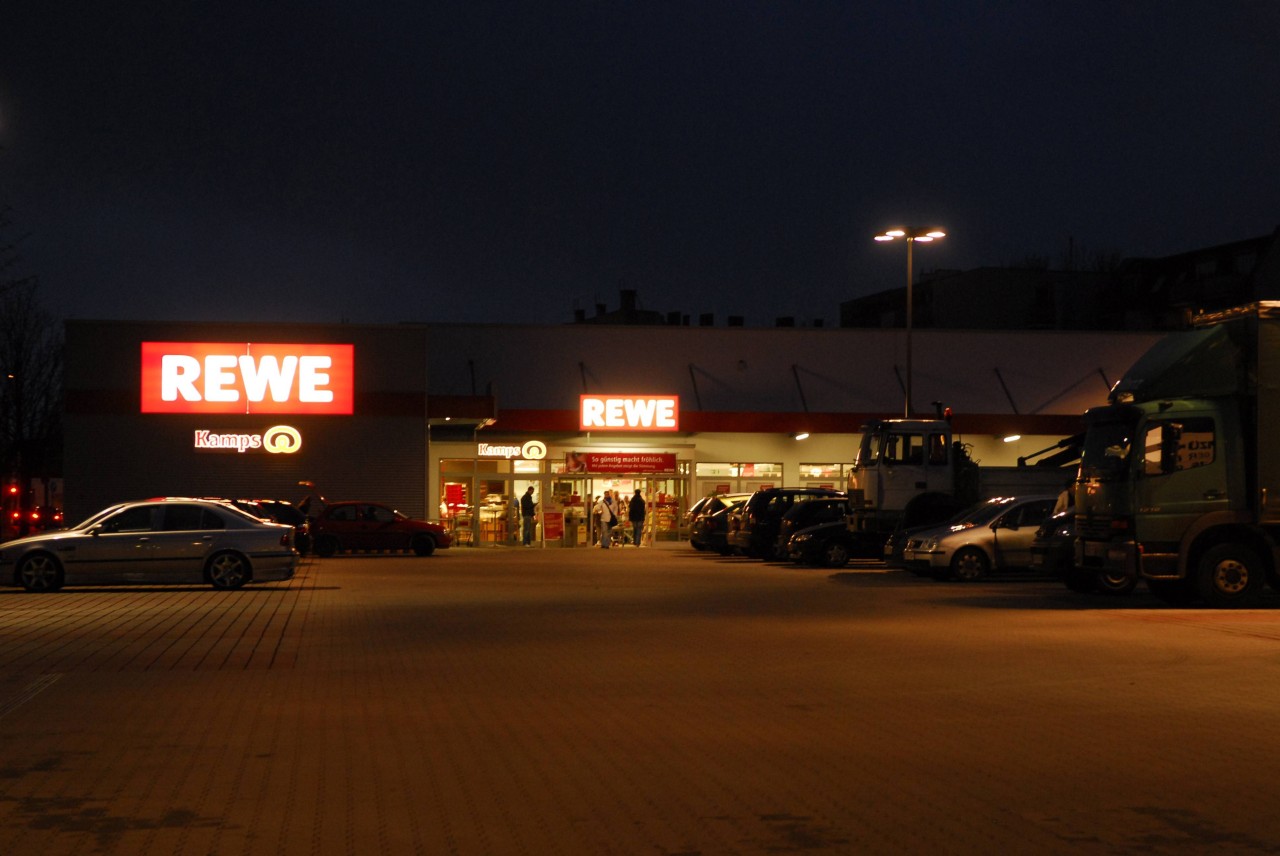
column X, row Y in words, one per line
column 604, row 510
column 528, row 510
column 635, row 513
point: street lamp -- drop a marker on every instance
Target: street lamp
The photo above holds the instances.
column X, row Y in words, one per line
column 910, row 236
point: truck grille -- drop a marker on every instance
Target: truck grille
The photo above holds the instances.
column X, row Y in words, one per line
column 1093, row 528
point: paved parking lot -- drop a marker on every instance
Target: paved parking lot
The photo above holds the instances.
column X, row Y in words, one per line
column 529, row 701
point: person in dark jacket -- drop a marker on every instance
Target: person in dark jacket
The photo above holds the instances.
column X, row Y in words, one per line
column 528, row 510
column 635, row 513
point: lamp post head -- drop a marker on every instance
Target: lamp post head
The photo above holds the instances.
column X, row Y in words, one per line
column 925, row 235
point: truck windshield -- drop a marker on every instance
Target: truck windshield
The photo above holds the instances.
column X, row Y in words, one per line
column 1107, row 443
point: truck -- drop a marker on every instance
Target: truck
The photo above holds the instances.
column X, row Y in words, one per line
column 1179, row 481
column 914, row 472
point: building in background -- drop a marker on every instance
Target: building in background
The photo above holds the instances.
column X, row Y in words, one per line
column 454, row 421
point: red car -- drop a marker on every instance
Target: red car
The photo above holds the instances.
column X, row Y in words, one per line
column 373, row 526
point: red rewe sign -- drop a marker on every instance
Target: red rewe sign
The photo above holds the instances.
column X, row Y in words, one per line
column 247, row 377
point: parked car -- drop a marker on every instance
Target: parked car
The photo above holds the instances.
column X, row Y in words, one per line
column 1053, row 551
column 1053, row 548
column 762, row 516
column 802, row 515
column 154, row 541
column 712, row 530
column 281, row 511
column 997, row 537
column 896, row 544
column 374, row 526
column 705, row 508
column 828, row 544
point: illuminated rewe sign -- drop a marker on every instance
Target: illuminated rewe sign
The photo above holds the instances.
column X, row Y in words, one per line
column 278, row 440
column 246, row 377
column 629, row 413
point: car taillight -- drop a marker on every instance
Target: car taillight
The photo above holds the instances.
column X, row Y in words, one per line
column 286, row 540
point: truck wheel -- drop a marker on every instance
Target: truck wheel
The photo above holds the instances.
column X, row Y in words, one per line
column 1115, row 582
column 970, row 564
column 1230, row 575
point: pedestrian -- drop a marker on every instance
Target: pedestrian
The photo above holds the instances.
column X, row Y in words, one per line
column 1066, row 499
column 528, row 508
column 635, row 513
column 604, row 509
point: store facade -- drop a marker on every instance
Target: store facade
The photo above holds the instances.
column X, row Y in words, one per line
column 442, row 424
column 243, row 411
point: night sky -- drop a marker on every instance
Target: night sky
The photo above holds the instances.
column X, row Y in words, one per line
column 416, row 161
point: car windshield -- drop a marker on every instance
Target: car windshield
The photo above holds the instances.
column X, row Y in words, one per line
column 96, row 517
column 988, row 511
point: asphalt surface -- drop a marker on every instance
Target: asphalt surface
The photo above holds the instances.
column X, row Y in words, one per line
column 640, row 701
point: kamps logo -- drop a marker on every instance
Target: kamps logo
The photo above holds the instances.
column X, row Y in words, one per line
column 533, row 450
column 276, row 440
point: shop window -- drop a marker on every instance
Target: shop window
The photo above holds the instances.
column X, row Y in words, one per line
column 713, row 470
column 820, row 471
column 762, row 471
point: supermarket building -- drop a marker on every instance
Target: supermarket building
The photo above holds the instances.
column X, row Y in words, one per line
column 454, row 421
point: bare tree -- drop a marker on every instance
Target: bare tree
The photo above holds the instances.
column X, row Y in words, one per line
column 30, row 381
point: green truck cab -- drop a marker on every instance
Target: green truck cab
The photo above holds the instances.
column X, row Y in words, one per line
column 1179, row 479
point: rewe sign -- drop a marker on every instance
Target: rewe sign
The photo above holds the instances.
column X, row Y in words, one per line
column 246, row 377
column 629, row 413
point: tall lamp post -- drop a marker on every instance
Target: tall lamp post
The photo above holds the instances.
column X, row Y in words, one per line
column 910, row 236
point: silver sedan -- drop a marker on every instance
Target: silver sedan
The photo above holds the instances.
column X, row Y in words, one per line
column 998, row 536
column 155, row 541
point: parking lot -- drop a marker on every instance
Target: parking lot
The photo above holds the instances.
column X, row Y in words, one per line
column 660, row 701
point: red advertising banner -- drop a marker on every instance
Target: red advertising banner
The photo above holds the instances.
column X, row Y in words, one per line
column 247, row 377
column 627, row 462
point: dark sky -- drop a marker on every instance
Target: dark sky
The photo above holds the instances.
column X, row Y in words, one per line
column 385, row 161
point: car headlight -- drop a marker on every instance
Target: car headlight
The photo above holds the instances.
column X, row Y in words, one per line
column 800, row 539
column 929, row 544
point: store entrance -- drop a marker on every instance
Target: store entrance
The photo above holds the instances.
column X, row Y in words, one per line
column 483, row 508
column 662, row 495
